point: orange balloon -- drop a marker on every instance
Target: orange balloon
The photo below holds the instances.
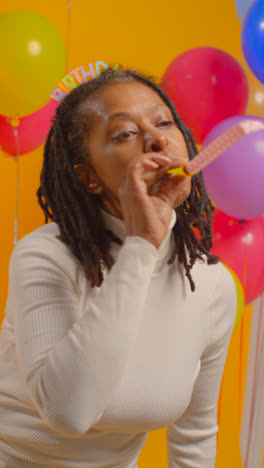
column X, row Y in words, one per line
column 256, row 96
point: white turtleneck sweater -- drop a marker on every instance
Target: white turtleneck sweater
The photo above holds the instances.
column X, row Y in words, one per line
column 86, row 373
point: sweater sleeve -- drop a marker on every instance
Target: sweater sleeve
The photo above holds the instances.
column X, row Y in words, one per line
column 191, row 441
column 70, row 362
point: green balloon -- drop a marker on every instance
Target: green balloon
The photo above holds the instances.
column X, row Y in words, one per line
column 32, row 61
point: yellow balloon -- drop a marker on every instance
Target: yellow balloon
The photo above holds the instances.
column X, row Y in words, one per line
column 32, row 61
column 240, row 297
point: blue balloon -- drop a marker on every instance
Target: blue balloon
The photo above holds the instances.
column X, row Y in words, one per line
column 253, row 39
column 242, row 8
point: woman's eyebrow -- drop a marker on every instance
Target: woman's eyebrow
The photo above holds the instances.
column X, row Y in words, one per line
column 127, row 114
column 119, row 114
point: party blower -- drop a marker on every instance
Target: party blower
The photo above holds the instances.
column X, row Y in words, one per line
column 217, row 147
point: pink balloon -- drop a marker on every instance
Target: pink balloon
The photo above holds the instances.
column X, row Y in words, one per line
column 32, row 130
column 206, row 85
column 234, row 180
column 241, row 247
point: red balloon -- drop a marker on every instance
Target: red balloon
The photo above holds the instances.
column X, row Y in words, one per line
column 240, row 245
column 31, row 130
column 206, row 86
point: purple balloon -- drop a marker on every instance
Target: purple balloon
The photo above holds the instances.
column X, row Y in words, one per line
column 235, row 180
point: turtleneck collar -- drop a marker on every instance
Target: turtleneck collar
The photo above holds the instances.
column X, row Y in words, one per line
column 117, row 226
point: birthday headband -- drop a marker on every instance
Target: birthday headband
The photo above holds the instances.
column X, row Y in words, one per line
column 79, row 76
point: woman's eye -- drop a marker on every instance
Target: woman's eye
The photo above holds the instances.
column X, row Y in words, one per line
column 123, row 136
column 166, row 123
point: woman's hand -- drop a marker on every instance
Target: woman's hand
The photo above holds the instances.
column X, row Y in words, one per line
column 149, row 194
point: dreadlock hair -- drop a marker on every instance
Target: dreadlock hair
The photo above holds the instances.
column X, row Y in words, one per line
column 65, row 200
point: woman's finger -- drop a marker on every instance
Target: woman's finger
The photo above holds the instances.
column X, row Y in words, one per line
column 144, row 171
column 161, row 160
column 148, row 164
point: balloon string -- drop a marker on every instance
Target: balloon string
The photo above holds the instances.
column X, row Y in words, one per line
column 17, row 184
column 260, row 375
column 68, row 32
column 253, row 397
column 261, row 315
column 240, row 380
column 241, row 341
column 219, row 408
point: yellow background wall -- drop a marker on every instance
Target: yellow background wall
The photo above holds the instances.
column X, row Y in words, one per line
column 146, row 35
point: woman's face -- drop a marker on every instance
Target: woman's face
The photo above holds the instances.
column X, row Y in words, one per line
column 126, row 120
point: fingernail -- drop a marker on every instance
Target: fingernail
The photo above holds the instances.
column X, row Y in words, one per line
column 150, row 163
column 165, row 158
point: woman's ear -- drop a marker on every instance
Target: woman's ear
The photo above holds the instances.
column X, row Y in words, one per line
column 88, row 178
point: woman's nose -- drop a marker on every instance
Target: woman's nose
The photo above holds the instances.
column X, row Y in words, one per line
column 155, row 143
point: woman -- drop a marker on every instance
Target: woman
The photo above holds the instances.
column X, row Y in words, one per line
column 104, row 339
